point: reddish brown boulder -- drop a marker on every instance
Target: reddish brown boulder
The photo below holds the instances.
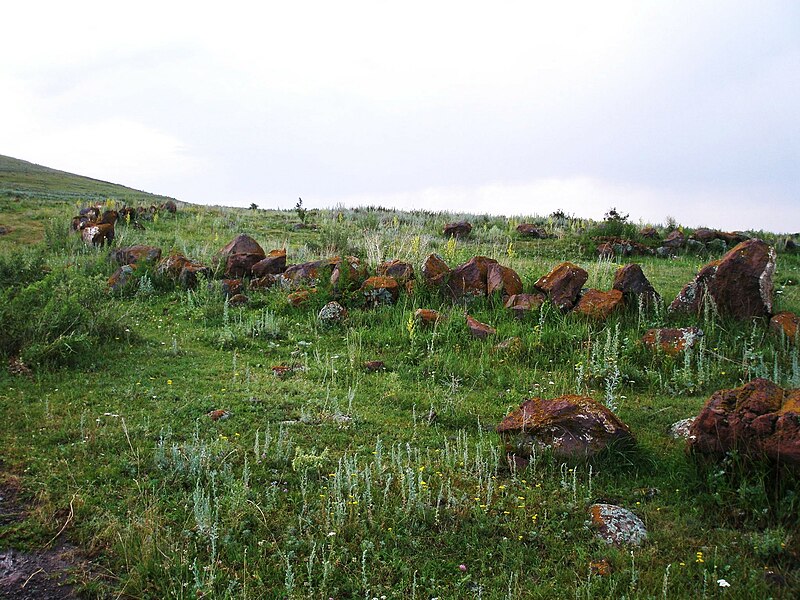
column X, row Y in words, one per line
column 435, row 271
column 428, row 317
column 617, row 526
column 136, row 254
column 308, row 272
column 672, row 341
column 522, row 304
column 759, row 420
column 348, row 274
column 238, row 257
column 263, row 283
column 121, row 278
column 739, row 284
column 238, row 300
column 380, row 290
column 530, row 230
column 785, row 324
column 605, row 250
column 231, row 287
column 573, row 427
column 704, row 235
column 597, row 304
column 181, row 269
column 273, row 264
column 563, row 284
column 732, row 238
column 502, row 279
column 469, row 279
column 674, row 240
column 479, row 330
column 460, row 229
column 401, row 272
column 648, row 232
column 188, row 278
column 631, row 281
column 300, row 297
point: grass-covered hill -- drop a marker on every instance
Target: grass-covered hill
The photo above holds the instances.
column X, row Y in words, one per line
column 324, row 479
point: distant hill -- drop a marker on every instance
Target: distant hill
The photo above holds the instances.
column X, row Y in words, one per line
column 23, row 179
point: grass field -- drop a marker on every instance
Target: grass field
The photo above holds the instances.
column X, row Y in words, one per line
column 331, row 481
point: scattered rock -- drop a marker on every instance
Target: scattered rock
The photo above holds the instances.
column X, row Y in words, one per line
column 18, row 368
column 299, row 298
column 435, row 271
column 617, row 526
column 121, row 278
column 502, row 279
column 380, row 290
column 631, row 281
column 785, row 324
column 760, row 420
column 674, row 240
column 680, row 430
column 401, row 272
column 348, row 274
column 238, row 256
column 181, row 269
column 672, row 341
column 283, row 371
column 648, row 232
column 263, row 283
column 563, row 284
column 530, row 230
column 170, row 207
column 136, row 255
column 230, row 287
column 522, row 304
column 470, row 278
column 273, row 264
column 460, row 229
column 573, row 427
column 704, row 235
column 600, row 568
column 332, row 313
column 308, row 272
column 238, row 300
column 373, row 366
column 597, row 304
column 479, row 330
column 428, row 317
column 219, row 414
column 512, row 345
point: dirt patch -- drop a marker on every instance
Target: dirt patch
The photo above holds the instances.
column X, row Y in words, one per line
column 11, row 509
column 38, row 575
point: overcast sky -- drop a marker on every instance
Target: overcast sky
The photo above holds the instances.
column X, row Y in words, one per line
column 688, row 109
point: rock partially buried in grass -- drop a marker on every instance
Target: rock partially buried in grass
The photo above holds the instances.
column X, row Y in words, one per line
column 401, row 272
column 219, row 414
column 529, row 230
column 572, row 427
column 459, row 229
column 502, row 279
column 332, row 313
column 273, row 264
column 479, row 330
column 563, row 285
column 759, row 420
column 469, row 279
column 380, row 290
column 598, row 305
column 373, row 366
column 617, row 526
column 785, row 324
column 299, row 298
column 120, row 279
column 428, row 317
column 522, row 304
column 136, row 254
column 435, row 271
column 672, row 341
column 631, row 281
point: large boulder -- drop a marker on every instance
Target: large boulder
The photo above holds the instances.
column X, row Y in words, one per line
column 522, row 304
column 435, row 271
column 597, row 304
column 504, row 280
column 739, row 284
column 759, row 420
column 563, row 285
column 470, row 278
column 572, row 427
column 530, row 230
column 308, row 272
column 273, row 264
column 182, row 270
column 631, row 281
column 672, row 341
column 401, row 272
column 129, row 255
column 459, row 229
column 674, row 240
column 238, row 256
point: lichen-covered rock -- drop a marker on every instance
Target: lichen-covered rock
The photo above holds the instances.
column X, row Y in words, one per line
column 681, row 430
column 435, row 271
column 704, row 235
column 136, row 254
column 459, row 229
column 182, row 270
column 617, row 526
column 563, row 285
column 739, row 284
column 238, row 256
column 523, row 304
column 332, row 313
column 380, row 290
column 121, row 278
column 672, row 341
column 597, row 304
column 299, row 297
column 479, row 330
column 631, row 281
column 263, row 283
column 785, row 324
column 401, row 272
column 674, row 240
column 273, row 264
column 572, row 427
column 759, row 420
column 469, row 279
column 308, row 272
column 428, row 317
column 530, row 230
column 504, row 280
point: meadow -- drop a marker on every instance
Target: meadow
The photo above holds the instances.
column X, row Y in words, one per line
column 327, row 480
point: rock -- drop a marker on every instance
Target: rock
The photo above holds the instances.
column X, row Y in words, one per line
column 460, row 229
column 617, row 526
column 672, row 341
column 597, row 304
column 136, row 254
column 522, row 304
column 121, row 278
column 785, row 324
column 502, row 279
column 238, row 300
column 605, row 250
column 230, row 287
column 373, row 366
column 380, row 290
column 563, row 284
column 435, row 271
column 182, row 270
column 428, row 317
column 332, row 313
column 401, row 272
column 479, row 330
column 663, row 252
column 617, row 246
column 759, row 420
column 674, row 240
column 704, row 235
column 600, row 568
column 170, row 206
column 716, row 246
column 733, row 238
column 263, row 283
column 694, row 247
column 470, row 278
column 573, row 427
column 188, row 277
column 219, row 414
column 273, row 264
column 299, row 298
column 308, row 272
column 680, row 430
column 631, row 281
column 348, row 274
column 530, row 230
column 238, row 256
column 648, row 232
column 4, row 230
column 739, row 284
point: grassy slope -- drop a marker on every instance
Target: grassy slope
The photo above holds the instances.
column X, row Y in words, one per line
column 174, row 505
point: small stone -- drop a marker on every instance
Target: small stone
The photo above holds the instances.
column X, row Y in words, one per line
column 479, row 330
column 680, row 429
column 332, row 313
column 218, row 415
column 670, row 340
column 600, row 568
column 373, row 366
column 617, row 526
column 428, row 317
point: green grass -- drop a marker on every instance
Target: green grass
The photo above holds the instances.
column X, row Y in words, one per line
column 331, row 482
